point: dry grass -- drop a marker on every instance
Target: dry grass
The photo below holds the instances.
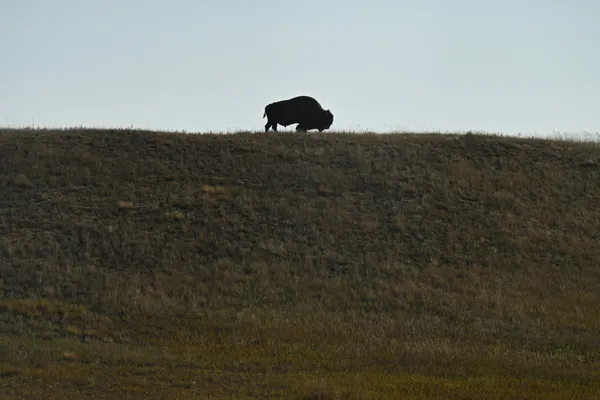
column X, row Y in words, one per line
column 312, row 266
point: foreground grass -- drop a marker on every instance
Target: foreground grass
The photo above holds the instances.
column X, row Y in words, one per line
column 146, row 265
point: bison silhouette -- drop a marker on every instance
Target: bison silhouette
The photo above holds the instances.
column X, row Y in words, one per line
column 302, row 110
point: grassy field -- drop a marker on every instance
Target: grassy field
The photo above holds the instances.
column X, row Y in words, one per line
column 142, row 265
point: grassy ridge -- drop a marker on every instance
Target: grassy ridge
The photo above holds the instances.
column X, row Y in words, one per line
column 138, row 264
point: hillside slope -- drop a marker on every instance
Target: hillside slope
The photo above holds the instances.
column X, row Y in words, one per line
column 270, row 264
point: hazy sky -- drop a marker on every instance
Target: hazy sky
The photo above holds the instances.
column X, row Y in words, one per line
column 529, row 66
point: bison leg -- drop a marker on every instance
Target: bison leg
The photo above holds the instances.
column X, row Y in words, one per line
column 300, row 128
column 271, row 125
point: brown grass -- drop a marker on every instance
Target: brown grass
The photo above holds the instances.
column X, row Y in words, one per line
column 311, row 266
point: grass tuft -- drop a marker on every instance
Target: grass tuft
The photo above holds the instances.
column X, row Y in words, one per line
column 178, row 215
column 126, row 205
column 69, row 355
column 41, row 307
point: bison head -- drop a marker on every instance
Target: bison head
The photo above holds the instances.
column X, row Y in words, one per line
column 324, row 120
column 327, row 119
column 320, row 121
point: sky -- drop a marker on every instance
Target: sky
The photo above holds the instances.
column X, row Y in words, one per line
column 528, row 67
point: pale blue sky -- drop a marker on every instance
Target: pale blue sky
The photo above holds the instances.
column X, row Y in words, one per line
column 529, row 66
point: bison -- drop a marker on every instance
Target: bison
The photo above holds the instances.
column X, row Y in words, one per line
column 303, row 110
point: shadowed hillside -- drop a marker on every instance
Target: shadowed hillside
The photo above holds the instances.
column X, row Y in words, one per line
column 153, row 265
